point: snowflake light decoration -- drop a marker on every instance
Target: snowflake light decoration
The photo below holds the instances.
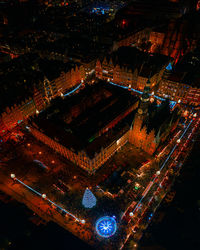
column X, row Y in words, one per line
column 106, row 226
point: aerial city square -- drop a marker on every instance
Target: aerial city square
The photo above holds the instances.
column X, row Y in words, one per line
column 99, row 124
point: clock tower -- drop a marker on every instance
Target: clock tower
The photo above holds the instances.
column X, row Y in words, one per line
column 144, row 100
column 137, row 133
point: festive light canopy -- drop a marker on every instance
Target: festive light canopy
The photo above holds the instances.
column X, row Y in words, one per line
column 106, row 226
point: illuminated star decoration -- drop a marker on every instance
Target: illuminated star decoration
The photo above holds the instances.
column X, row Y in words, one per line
column 106, row 226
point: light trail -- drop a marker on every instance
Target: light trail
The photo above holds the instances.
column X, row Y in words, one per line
column 50, row 201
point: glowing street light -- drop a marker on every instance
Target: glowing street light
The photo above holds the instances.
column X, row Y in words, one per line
column 83, row 221
column 195, row 115
column 151, row 99
column 178, row 141
column 158, row 172
column 131, row 214
column 179, row 101
column 28, row 144
column 53, row 161
column 40, row 153
column 12, row 176
column 44, row 196
column 37, row 112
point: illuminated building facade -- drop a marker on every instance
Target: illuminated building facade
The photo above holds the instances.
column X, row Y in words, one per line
column 182, row 82
column 131, row 67
column 176, row 90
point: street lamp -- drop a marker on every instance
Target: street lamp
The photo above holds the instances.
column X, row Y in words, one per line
column 28, row 144
column 44, row 196
column 178, row 141
column 12, row 176
column 83, row 221
column 158, row 172
column 179, row 101
column 40, row 153
column 151, row 99
column 195, row 115
column 131, row 214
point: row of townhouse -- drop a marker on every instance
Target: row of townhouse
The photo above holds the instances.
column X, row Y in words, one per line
column 41, row 96
column 128, row 76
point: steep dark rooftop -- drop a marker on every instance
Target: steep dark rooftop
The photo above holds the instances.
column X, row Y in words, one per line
column 82, row 133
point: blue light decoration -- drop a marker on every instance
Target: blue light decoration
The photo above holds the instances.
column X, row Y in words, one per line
column 172, row 103
column 89, row 200
column 106, row 226
column 169, row 67
column 69, row 93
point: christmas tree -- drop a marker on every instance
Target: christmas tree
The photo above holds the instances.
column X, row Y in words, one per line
column 89, row 200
